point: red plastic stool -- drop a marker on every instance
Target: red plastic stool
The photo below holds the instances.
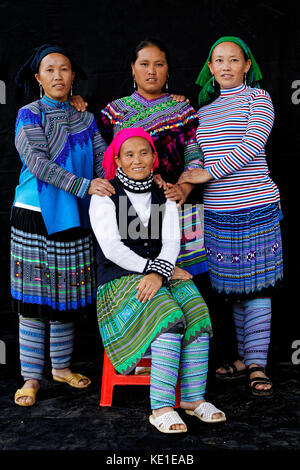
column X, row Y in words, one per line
column 110, row 378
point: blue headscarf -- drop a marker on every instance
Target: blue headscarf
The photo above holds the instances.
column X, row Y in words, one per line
column 25, row 76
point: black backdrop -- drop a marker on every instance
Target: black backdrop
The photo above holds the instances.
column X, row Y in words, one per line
column 101, row 34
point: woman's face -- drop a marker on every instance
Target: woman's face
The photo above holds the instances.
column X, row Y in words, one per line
column 150, row 71
column 56, row 76
column 136, row 158
column 228, row 65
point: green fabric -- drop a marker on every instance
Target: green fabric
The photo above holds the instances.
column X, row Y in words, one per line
column 128, row 327
column 205, row 80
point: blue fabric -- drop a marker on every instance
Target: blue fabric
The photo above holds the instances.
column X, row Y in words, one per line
column 61, row 210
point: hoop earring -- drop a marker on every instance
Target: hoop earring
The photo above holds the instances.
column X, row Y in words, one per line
column 41, row 91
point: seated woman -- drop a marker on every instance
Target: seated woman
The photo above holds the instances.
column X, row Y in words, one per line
column 139, row 307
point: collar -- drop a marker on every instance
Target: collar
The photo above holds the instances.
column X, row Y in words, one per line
column 141, row 99
column 135, row 186
column 54, row 103
column 232, row 91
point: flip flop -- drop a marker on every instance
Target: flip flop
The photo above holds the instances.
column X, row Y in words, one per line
column 165, row 421
column 25, row 392
column 73, row 380
column 205, row 411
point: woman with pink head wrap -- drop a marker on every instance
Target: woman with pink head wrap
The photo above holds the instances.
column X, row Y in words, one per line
column 139, row 307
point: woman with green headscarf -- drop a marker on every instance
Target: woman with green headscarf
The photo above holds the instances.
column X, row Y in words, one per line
column 241, row 202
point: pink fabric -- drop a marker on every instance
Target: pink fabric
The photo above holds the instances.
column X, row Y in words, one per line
column 109, row 163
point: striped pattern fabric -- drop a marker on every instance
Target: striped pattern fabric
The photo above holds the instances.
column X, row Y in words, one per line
column 32, row 346
column 172, row 127
column 244, row 249
column 253, row 329
column 232, row 133
column 192, row 256
column 60, row 149
column 53, row 274
column 165, row 357
column 61, row 344
column 128, row 327
column 194, row 369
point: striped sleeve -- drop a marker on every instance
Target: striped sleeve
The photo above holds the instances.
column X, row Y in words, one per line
column 193, row 155
column 261, row 118
column 32, row 146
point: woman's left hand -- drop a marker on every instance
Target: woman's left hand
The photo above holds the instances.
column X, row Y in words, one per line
column 179, row 98
column 148, row 287
column 78, row 103
column 195, row 176
column 181, row 274
column 175, row 192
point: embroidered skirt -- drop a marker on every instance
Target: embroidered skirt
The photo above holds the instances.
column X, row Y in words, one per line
column 51, row 276
column 244, row 250
column 192, row 256
column 128, row 327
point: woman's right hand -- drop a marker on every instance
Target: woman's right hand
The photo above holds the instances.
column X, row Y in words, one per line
column 148, row 286
column 179, row 98
column 78, row 102
column 101, row 187
column 181, row 274
column 160, row 182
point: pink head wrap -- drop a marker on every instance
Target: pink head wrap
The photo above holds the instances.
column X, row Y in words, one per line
column 109, row 163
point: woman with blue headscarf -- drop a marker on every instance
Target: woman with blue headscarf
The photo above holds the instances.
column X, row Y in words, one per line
column 241, row 202
column 52, row 262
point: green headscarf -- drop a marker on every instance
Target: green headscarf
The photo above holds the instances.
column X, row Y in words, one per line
column 205, row 80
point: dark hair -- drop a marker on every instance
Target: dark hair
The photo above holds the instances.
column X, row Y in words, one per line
column 151, row 42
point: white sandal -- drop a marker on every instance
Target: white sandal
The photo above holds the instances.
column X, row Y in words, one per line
column 205, row 411
column 165, row 421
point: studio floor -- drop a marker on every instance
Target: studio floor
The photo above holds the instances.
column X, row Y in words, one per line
column 68, row 419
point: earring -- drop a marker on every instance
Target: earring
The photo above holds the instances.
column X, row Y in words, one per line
column 213, row 80
column 134, row 82
column 245, row 78
column 41, row 91
column 167, row 83
column 71, row 91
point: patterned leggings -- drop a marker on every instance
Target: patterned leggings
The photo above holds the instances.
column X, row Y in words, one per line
column 167, row 355
column 32, row 346
column 253, row 325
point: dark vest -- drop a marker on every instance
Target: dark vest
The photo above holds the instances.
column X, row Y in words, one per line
column 144, row 241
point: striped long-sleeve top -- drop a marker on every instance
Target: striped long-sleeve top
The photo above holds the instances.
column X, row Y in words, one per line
column 232, row 133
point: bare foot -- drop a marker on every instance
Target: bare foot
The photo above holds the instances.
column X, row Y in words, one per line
column 167, row 409
column 65, row 372
column 192, row 405
column 31, row 383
